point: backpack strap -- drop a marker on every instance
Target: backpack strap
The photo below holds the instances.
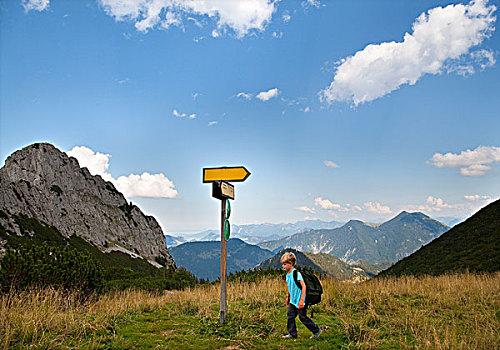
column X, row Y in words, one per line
column 296, row 280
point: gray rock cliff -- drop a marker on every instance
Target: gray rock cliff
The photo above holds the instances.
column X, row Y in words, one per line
column 43, row 183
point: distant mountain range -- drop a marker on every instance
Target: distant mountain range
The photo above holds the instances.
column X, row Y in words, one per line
column 173, row 241
column 449, row 221
column 374, row 243
column 328, row 265
column 257, row 233
column 203, row 258
column 473, row 245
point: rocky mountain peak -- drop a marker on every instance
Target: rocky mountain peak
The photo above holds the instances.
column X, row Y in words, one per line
column 41, row 182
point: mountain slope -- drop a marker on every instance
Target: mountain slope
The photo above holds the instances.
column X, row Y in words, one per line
column 302, row 260
column 174, row 240
column 356, row 240
column 203, row 258
column 45, row 184
column 473, row 245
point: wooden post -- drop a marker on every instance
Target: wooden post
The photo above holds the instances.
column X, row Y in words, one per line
column 223, row 265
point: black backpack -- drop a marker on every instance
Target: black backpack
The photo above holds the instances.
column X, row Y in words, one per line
column 313, row 287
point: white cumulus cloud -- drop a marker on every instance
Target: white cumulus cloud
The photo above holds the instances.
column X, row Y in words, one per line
column 267, row 95
column 378, row 208
column 97, row 163
column 240, row 16
column 145, row 185
column 331, row 207
column 326, row 204
column 36, row 5
column 440, row 38
column 470, row 162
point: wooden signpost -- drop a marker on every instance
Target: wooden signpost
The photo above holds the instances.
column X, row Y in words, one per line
column 223, row 190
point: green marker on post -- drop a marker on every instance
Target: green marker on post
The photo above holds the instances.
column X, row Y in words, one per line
column 228, row 209
column 227, row 229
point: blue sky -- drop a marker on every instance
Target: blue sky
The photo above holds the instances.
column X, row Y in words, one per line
column 340, row 109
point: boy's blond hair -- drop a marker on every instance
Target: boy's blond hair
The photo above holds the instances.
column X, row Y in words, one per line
column 288, row 258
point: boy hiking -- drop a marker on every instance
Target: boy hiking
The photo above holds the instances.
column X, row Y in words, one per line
column 296, row 300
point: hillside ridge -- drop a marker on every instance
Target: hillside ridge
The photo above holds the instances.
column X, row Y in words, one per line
column 473, row 245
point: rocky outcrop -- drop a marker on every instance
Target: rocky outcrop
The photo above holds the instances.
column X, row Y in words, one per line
column 46, row 184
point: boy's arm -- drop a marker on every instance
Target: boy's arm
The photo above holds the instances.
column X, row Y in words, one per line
column 303, row 295
column 287, row 297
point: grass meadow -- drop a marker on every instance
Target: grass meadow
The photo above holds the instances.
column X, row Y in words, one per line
column 448, row 312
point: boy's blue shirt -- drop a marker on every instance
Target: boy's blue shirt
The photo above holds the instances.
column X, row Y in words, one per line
column 295, row 292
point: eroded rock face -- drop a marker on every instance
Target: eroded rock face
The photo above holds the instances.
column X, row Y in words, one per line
column 46, row 184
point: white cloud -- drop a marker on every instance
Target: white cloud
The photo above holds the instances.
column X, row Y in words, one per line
column 213, row 123
column 311, row 3
column 476, row 197
column 306, row 209
column 195, row 21
column 277, row 35
column 183, row 115
column 353, row 207
column 475, row 170
column 36, row 5
column 471, row 163
column 440, row 38
column 376, row 207
column 145, row 185
column 244, row 95
column 438, row 204
column 286, row 16
column 97, row 163
column 468, row 64
column 240, row 16
column 267, row 95
column 326, row 204
column 330, row 164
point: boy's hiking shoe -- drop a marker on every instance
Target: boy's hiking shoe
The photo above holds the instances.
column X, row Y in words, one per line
column 315, row 335
column 287, row 336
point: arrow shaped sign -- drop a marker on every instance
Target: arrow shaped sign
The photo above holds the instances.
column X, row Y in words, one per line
column 230, row 174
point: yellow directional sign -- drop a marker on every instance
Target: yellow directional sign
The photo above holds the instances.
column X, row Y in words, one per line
column 230, row 174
